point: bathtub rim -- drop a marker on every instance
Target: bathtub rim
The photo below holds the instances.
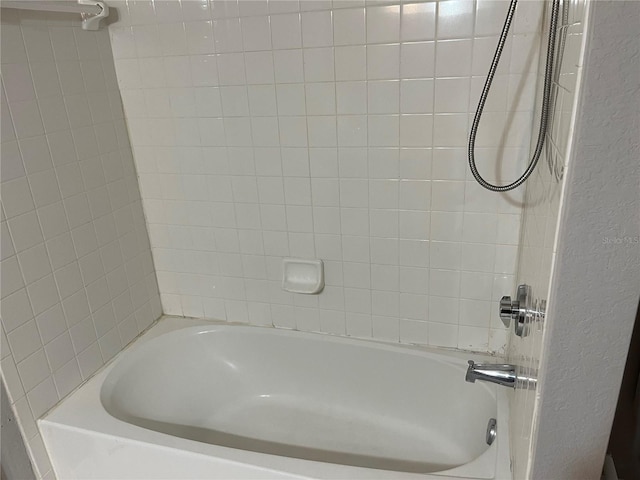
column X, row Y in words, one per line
column 83, row 411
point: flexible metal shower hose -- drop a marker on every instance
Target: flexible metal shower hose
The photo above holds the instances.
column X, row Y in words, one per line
column 546, row 99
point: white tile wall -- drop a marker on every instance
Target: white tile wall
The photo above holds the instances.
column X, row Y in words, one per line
column 78, row 281
column 540, row 218
column 332, row 130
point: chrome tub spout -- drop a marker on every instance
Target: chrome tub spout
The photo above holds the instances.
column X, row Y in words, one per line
column 502, row 374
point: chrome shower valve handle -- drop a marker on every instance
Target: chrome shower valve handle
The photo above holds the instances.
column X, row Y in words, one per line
column 508, row 310
column 523, row 310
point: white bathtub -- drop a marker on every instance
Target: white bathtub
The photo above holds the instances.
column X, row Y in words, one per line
column 215, row 401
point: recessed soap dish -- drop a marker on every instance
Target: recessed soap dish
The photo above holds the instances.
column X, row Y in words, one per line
column 302, row 276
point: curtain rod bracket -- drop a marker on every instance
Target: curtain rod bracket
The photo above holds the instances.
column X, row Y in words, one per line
column 92, row 22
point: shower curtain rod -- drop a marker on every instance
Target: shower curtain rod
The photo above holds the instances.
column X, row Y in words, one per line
column 91, row 11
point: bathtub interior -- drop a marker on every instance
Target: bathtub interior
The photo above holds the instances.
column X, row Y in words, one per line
column 304, row 396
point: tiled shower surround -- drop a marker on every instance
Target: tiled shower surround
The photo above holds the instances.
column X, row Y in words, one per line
column 78, row 281
column 263, row 130
column 540, row 224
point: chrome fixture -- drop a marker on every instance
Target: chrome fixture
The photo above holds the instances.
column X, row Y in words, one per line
column 502, row 374
column 524, row 310
column 546, row 100
column 492, row 431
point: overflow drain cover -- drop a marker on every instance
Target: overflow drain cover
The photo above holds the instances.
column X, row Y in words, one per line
column 492, row 430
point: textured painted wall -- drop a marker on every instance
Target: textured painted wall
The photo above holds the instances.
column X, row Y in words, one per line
column 594, row 293
column 541, row 210
column 334, row 130
column 78, row 281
